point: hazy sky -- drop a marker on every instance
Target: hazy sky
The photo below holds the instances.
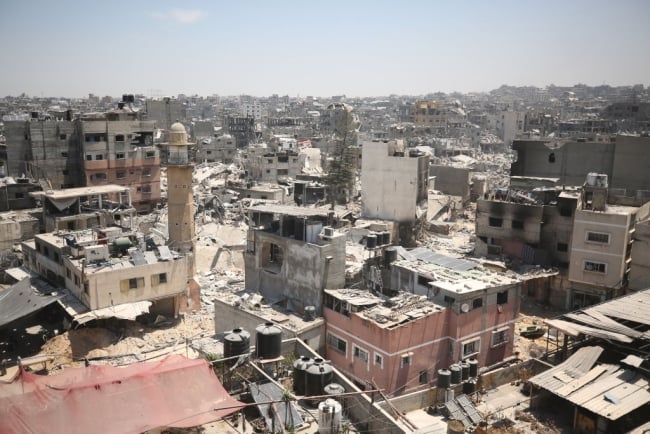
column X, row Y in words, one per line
column 321, row 48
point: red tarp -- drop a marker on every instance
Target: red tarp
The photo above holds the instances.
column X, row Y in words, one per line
column 173, row 392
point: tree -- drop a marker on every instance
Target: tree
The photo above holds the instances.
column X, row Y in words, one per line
column 341, row 171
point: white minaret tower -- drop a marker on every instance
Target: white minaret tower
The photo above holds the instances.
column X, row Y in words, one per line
column 180, row 200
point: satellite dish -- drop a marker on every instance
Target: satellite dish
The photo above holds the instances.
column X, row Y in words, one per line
column 464, row 307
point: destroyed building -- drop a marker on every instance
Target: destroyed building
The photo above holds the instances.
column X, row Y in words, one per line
column 293, row 253
column 214, row 149
column 394, row 181
column 623, row 158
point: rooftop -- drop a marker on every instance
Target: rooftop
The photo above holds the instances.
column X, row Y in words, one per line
column 387, row 313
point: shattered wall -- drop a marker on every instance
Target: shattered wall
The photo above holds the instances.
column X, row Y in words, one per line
column 452, row 180
column 305, row 269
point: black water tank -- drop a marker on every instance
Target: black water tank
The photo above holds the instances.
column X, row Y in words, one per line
column 300, row 374
column 469, row 387
column 455, row 374
column 464, row 371
column 125, row 98
column 390, row 256
column 319, row 374
column 371, row 241
column 268, row 341
column 473, row 368
column 385, row 238
column 444, row 378
column 235, row 343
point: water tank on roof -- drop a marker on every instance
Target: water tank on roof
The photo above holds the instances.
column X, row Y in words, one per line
column 385, row 238
column 235, row 343
column 455, row 374
column 319, row 374
column 469, row 387
column 371, row 241
column 268, row 341
column 329, row 416
column 300, row 374
column 473, row 368
column 390, row 256
column 444, row 378
column 464, row 371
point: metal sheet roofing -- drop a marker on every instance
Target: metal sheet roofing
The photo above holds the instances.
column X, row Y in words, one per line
column 623, row 319
column 427, row 255
column 607, row 390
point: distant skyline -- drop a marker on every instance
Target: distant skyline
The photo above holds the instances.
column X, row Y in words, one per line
column 357, row 48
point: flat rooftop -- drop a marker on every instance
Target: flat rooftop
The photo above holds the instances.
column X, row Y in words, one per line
column 298, row 211
column 387, row 313
column 70, row 193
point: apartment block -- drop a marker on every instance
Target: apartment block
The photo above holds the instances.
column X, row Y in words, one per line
column 118, row 148
column 445, row 315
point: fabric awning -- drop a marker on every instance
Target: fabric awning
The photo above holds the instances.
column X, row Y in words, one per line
column 173, row 392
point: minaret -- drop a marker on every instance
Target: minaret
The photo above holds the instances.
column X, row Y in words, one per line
column 180, row 200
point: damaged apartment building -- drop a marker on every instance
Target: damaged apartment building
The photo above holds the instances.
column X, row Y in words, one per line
column 394, row 182
column 115, row 147
column 103, row 265
column 576, row 230
column 293, row 253
column 439, row 315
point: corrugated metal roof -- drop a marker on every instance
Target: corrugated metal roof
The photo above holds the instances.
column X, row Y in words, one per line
column 610, row 320
column 607, row 390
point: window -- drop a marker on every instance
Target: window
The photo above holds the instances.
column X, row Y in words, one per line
column 337, row 343
column 406, row 360
column 98, row 176
column 146, row 171
column 562, row 247
column 502, row 297
column 472, row 347
column 598, row 237
column 499, row 337
column 63, row 136
column 119, row 137
column 68, row 273
column 566, row 212
column 76, row 280
column 120, row 156
column 64, row 154
column 99, row 157
column 449, row 300
column 19, row 195
column 89, row 157
column 424, row 377
column 476, row 303
column 120, row 175
column 595, row 267
column 517, row 224
column 495, row 222
column 551, row 157
column 379, row 360
column 361, row 354
column 133, row 283
column 158, row 279
column 270, row 161
column 150, row 154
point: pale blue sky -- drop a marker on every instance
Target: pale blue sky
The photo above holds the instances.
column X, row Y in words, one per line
column 320, row 48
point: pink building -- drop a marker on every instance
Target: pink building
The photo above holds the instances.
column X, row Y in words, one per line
column 401, row 342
